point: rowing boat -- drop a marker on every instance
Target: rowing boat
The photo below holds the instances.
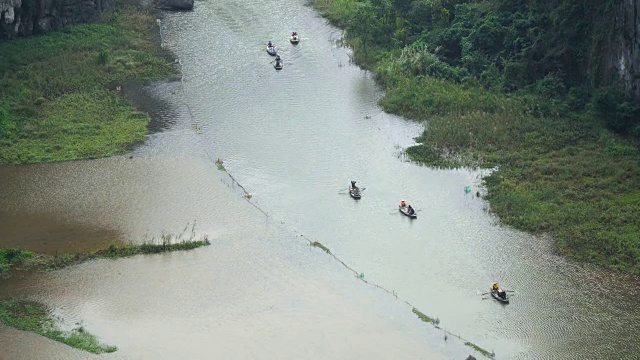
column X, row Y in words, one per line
column 504, row 300
column 405, row 210
column 355, row 193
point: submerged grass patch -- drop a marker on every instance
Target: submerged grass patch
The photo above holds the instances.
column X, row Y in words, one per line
column 25, row 259
column 34, row 317
column 13, row 257
column 424, row 317
column 55, row 102
column 435, row 322
column 319, row 245
column 479, row 349
column 115, row 251
column 220, row 165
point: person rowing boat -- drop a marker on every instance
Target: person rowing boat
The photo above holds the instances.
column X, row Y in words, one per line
column 354, row 191
column 498, row 292
column 354, row 188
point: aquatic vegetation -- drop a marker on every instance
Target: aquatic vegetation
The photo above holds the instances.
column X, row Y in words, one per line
column 60, row 95
column 34, row 317
column 319, row 245
column 10, row 258
column 13, row 257
column 220, row 165
column 424, row 317
column 115, row 251
column 479, row 349
column 436, row 322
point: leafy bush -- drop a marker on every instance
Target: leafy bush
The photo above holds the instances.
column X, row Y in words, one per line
column 619, row 113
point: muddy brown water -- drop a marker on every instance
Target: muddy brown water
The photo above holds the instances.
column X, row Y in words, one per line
column 293, row 139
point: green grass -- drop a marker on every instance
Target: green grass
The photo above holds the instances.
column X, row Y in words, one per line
column 479, row 349
column 220, row 165
column 435, row 322
column 115, row 251
column 13, row 257
column 319, row 245
column 569, row 178
column 424, row 317
column 34, row 317
column 55, row 97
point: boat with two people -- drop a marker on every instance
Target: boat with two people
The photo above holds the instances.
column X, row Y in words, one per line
column 354, row 191
column 407, row 210
column 499, row 294
column 294, row 38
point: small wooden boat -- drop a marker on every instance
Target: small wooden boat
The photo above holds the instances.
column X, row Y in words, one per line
column 295, row 39
column 272, row 50
column 278, row 65
column 405, row 211
column 504, row 300
column 355, row 193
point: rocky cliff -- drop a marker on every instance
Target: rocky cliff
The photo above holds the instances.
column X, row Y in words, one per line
column 26, row 17
column 623, row 61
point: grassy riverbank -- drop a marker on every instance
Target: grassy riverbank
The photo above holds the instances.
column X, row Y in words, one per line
column 561, row 169
column 58, row 92
column 34, row 317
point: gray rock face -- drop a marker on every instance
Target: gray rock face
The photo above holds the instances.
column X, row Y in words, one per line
column 175, row 4
column 624, row 60
column 26, row 17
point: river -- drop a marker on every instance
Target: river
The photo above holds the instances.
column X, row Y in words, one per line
column 294, row 139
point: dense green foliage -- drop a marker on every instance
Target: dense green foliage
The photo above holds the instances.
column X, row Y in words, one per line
column 548, row 48
column 514, row 85
column 55, row 103
column 34, row 317
column 13, row 257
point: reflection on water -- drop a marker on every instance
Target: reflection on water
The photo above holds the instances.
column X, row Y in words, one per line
column 294, row 139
